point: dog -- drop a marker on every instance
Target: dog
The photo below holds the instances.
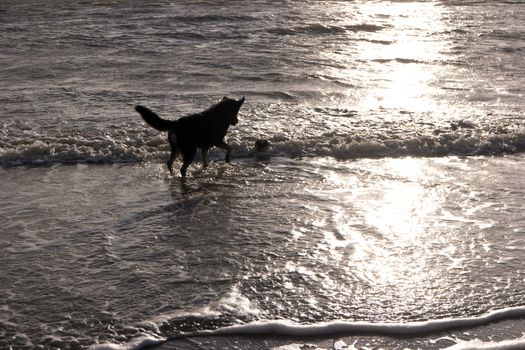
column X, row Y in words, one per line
column 200, row 130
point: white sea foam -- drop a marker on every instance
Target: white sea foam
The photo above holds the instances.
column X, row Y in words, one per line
column 341, row 328
column 514, row 344
column 233, row 303
column 138, row 343
column 236, row 303
column 136, row 147
column 286, row 328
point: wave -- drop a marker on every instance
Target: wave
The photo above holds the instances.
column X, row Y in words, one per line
column 70, row 151
column 516, row 344
column 151, row 342
column 212, row 18
column 315, row 28
column 480, row 2
column 285, row 328
column 398, row 60
column 461, row 139
column 335, row 329
column 376, row 41
column 318, row 28
column 365, row 27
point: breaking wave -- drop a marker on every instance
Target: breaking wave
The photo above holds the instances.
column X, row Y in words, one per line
column 129, row 146
column 341, row 328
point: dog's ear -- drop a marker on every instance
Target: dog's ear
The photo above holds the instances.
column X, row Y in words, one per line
column 224, row 98
column 241, row 101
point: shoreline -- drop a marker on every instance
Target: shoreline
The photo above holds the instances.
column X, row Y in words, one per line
column 506, row 334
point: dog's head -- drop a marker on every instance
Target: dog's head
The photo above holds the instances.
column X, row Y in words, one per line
column 231, row 108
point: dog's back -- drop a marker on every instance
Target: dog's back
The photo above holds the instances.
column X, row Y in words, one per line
column 208, row 128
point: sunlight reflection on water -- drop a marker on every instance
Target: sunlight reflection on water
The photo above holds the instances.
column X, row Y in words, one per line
column 402, row 227
column 303, row 240
column 402, row 73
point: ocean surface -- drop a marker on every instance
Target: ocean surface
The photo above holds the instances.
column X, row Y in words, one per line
column 390, row 203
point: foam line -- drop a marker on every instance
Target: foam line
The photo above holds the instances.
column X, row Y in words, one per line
column 139, row 343
column 517, row 344
column 340, row 327
column 98, row 148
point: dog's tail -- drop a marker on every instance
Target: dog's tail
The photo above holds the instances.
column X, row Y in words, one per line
column 154, row 120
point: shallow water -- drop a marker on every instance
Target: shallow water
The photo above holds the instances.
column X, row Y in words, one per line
column 392, row 191
column 105, row 253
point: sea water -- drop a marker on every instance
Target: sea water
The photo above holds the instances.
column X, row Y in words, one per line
column 390, row 201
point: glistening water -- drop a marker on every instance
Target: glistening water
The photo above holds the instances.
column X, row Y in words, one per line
column 392, row 191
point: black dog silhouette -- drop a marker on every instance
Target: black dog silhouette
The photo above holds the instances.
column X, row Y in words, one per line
column 200, row 130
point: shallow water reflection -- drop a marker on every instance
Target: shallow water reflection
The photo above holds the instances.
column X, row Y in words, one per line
column 412, row 234
column 309, row 240
column 402, row 50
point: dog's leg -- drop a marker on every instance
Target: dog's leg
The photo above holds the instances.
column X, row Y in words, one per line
column 173, row 156
column 187, row 154
column 183, row 169
column 205, row 160
column 228, row 149
column 174, row 151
